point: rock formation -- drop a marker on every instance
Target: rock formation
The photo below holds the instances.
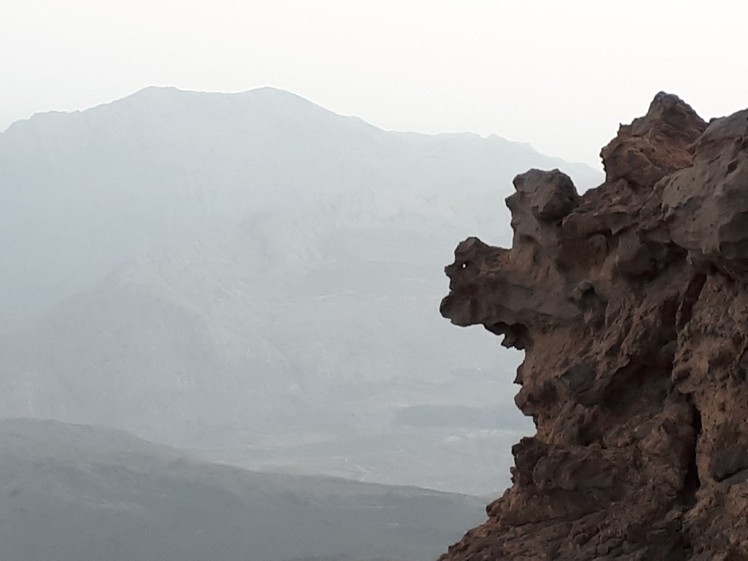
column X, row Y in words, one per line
column 631, row 303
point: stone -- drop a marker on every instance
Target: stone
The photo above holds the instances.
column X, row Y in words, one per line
column 630, row 302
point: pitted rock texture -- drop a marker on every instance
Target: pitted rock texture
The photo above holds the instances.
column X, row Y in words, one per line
column 631, row 303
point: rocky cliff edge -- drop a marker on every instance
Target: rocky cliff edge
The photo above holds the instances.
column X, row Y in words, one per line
column 631, row 304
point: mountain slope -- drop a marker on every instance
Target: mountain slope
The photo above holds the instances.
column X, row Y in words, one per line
column 75, row 492
column 256, row 278
column 308, row 327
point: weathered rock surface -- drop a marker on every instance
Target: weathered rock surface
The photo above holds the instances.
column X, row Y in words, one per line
column 631, row 303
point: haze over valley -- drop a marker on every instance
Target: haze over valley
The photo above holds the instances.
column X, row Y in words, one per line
column 256, row 280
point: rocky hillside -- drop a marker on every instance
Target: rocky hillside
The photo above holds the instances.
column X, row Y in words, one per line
column 631, row 304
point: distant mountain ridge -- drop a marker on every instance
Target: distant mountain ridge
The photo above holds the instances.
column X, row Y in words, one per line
column 163, row 163
column 255, row 277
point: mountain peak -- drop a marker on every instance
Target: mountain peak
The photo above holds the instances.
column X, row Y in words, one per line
column 173, row 94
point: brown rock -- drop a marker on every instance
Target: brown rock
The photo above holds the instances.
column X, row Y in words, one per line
column 654, row 145
column 631, row 303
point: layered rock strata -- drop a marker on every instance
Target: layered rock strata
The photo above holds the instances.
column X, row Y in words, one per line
column 631, row 304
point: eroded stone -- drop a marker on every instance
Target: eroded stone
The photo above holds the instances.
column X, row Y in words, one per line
column 631, row 303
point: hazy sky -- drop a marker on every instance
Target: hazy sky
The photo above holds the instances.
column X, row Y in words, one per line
column 560, row 75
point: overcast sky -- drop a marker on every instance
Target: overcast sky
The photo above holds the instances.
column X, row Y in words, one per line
column 559, row 75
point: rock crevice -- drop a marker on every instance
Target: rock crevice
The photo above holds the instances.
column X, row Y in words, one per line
column 631, row 304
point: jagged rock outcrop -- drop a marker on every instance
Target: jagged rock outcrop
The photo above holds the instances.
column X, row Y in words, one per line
column 631, row 303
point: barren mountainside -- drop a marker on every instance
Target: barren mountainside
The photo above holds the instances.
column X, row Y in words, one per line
column 251, row 276
column 631, row 305
column 77, row 492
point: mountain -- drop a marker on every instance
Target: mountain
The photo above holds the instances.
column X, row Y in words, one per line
column 253, row 277
column 74, row 492
column 83, row 192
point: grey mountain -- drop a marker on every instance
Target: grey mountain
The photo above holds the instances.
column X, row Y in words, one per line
column 256, row 278
column 72, row 492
